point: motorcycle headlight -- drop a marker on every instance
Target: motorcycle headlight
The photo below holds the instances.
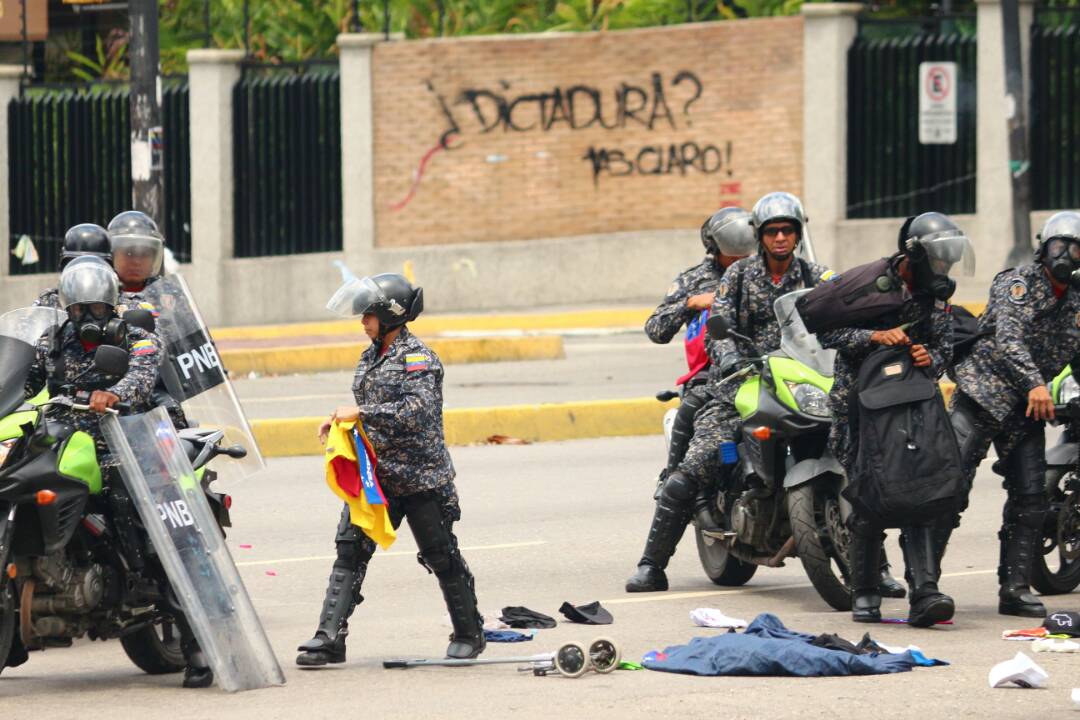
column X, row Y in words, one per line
column 1068, row 390
column 811, row 399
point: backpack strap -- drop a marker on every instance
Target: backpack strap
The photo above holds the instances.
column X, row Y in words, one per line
column 807, row 276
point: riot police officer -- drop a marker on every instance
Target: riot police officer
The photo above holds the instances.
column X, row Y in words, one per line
column 1028, row 333
column 727, row 237
column 138, row 250
column 398, row 391
column 929, row 245
column 745, row 298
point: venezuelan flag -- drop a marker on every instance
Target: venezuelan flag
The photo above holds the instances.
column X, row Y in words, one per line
column 350, row 474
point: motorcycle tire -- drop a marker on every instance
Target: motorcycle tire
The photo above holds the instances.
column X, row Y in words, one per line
column 155, row 649
column 1062, row 526
column 8, row 626
column 719, row 565
column 806, row 510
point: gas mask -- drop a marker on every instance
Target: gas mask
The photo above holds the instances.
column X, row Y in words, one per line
column 95, row 324
column 1061, row 258
column 932, row 257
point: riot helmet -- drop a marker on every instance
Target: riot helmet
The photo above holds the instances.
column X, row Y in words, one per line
column 933, row 244
column 777, row 207
column 1059, row 246
column 89, row 291
column 389, row 297
column 728, row 232
column 85, row 239
column 137, row 245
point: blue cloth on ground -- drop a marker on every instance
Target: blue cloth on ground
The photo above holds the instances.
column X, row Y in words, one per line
column 769, row 648
column 506, row 636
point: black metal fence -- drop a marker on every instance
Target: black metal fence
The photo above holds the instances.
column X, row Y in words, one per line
column 1055, row 109
column 287, row 160
column 890, row 173
column 69, row 150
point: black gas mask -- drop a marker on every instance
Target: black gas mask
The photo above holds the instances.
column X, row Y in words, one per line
column 95, row 323
column 1061, row 258
column 929, row 277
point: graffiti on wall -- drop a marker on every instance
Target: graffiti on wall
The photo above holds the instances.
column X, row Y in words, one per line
column 659, row 104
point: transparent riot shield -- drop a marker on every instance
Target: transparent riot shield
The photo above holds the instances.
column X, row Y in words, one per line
column 192, row 550
column 194, row 374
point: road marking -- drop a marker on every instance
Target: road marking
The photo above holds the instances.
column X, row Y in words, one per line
column 655, row 597
column 297, row 398
column 409, row 553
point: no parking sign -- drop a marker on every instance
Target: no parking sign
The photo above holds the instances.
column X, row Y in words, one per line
column 937, row 103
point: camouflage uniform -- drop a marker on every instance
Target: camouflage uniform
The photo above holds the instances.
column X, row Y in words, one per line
column 1028, row 335
column 670, row 316
column 751, row 315
column 134, row 388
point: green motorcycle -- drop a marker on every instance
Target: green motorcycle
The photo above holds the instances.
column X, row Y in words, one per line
column 781, row 497
column 63, row 574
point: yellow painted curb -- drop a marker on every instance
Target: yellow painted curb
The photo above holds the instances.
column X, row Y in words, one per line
column 465, row 426
column 435, row 324
column 343, row 356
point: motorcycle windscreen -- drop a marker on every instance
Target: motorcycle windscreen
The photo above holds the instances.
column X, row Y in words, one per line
column 194, row 374
column 189, row 544
column 796, row 341
column 19, row 332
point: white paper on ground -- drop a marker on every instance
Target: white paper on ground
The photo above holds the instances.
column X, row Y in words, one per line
column 713, row 618
column 1021, row 670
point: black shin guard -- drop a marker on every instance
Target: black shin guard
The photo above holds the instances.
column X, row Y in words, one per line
column 922, row 557
column 342, row 597
column 864, row 562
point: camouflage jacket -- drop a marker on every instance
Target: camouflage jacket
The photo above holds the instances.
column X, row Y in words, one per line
column 399, row 394
column 745, row 299
column 671, row 315
column 1030, row 335
column 73, row 360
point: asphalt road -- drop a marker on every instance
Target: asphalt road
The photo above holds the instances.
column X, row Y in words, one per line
column 596, row 367
column 543, row 524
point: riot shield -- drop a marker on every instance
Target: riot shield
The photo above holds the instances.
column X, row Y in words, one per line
column 190, row 546
column 194, row 374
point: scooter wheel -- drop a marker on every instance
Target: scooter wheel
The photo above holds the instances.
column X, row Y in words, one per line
column 572, row 660
column 604, row 655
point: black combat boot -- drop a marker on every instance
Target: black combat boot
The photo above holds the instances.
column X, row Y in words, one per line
column 923, row 559
column 459, row 592
column 864, row 558
column 197, row 672
column 889, row 586
column 667, row 529
column 1014, row 572
column 328, row 645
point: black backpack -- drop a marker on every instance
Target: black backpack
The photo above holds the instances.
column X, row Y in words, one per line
column 861, row 294
column 907, row 469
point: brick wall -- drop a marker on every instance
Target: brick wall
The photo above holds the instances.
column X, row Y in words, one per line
column 504, row 138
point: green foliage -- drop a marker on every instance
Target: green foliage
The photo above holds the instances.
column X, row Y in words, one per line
column 109, row 61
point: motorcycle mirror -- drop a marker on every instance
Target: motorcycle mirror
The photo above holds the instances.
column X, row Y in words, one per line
column 141, row 318
column 236, row 452
column 111, row 360
column 717, row 327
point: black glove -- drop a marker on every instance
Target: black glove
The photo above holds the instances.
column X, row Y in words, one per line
column 729, row 363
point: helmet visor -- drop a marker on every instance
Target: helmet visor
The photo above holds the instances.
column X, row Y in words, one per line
column 946, row 249
column 1059, row 246
column 88, row 282
column 356, row 297
column 144, row 251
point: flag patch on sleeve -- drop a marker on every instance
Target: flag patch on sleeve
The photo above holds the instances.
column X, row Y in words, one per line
column 414, row 363
column 142, row 347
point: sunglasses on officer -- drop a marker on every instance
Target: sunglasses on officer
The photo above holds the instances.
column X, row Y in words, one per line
column 787, row 229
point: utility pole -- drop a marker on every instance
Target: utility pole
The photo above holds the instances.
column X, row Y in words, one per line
column 1019, row 160
column 147, row 191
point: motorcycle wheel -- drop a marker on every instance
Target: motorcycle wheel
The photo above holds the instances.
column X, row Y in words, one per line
column 719, row 565
column 155, row 649
column 7, row 621
column 1061, row 542
column 814, row 514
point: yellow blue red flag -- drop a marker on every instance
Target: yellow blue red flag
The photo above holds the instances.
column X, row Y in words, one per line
column 350, row 474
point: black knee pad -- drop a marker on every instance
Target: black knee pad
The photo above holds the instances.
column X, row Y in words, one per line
column 1028, row 510
column 678, row 490
column 1025, row 468
column 437, row 551
column 968, row 435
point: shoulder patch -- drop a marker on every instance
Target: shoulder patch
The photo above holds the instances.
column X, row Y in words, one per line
column 142, row 347
column 1018, row 291
column 722, row 290
column 416, row 361
column 829, row 275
